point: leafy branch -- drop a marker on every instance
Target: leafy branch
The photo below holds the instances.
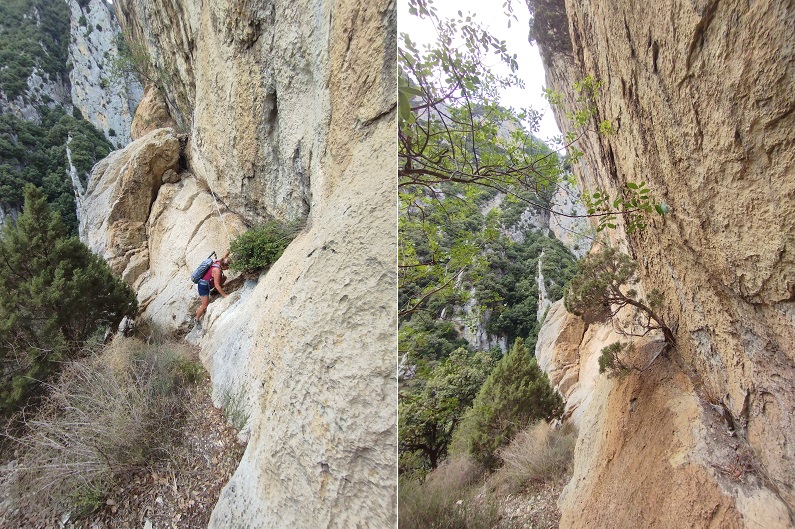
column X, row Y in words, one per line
column 603, row 285
column 635, row 202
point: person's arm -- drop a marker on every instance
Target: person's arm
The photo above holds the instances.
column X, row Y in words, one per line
column 217, row 277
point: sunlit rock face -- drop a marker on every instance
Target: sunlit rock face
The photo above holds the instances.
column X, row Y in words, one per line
column 287, row 110
column 700, row 97
column 104, row 97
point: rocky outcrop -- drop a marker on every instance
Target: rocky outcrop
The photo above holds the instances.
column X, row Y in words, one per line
column 152, row 114
column 119, row 198
column 653, row 449
column 289, row 111
column 700, row 99
column 104, row 97
column 153, row 222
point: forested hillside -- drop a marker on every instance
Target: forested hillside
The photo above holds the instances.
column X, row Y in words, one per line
column 43, row 136
column 481, row 200
column 463, row 329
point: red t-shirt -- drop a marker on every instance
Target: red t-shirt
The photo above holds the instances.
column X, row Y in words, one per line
column 208, row 275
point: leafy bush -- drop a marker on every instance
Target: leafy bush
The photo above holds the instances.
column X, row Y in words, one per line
column 516, row 394
column 537, row 453
column 427, row 418
column 56, row 295
column 260, row 247
column 105, row 417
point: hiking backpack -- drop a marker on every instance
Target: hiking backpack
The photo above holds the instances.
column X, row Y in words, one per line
column 202, row 269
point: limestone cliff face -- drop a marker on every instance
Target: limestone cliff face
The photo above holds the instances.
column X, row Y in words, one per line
column 260, row 62
column 282, row 109
column 107, row 102
column 701, row 99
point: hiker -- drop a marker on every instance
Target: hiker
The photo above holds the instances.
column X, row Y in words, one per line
column 213, row 278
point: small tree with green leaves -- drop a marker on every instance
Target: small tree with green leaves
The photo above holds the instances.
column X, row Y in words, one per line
column 428, row 418
column 603, row 285
column 56, row 295
column 516, row 394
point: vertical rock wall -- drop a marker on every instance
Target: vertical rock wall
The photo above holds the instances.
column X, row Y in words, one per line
column 105, row 99
column 287, row 110
column 248, row 80
column 700, row 95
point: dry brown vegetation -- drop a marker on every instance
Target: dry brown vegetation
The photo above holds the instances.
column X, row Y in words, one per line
column 127, row 436
column 537, row 454
column 523, row 492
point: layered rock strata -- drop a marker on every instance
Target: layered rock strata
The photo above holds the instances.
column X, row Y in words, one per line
column 700, row 99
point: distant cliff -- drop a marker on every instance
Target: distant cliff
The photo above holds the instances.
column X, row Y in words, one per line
column 286, row 110
column 700, row 96
column 104, row 97
column 61, row 107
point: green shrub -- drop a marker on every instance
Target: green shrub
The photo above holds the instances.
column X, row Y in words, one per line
column 516, row 394
column 427, row 418
column 260, row 247
column 190, row 371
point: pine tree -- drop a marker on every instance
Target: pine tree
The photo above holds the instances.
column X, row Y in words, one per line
column 56, row 294
column 516, row 394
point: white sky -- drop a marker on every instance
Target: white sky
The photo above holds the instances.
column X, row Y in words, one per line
column 491, row 15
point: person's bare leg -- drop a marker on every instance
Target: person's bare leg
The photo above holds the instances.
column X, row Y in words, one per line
column 203, row 307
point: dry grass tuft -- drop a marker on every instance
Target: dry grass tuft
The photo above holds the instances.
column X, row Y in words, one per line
column 107, row 415
column 447, row 499
column 537, row 454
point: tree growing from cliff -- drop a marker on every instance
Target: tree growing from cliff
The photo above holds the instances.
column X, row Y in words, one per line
column 516, row 394
column 603, row 285
column 133, row 61
column 56, row 295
